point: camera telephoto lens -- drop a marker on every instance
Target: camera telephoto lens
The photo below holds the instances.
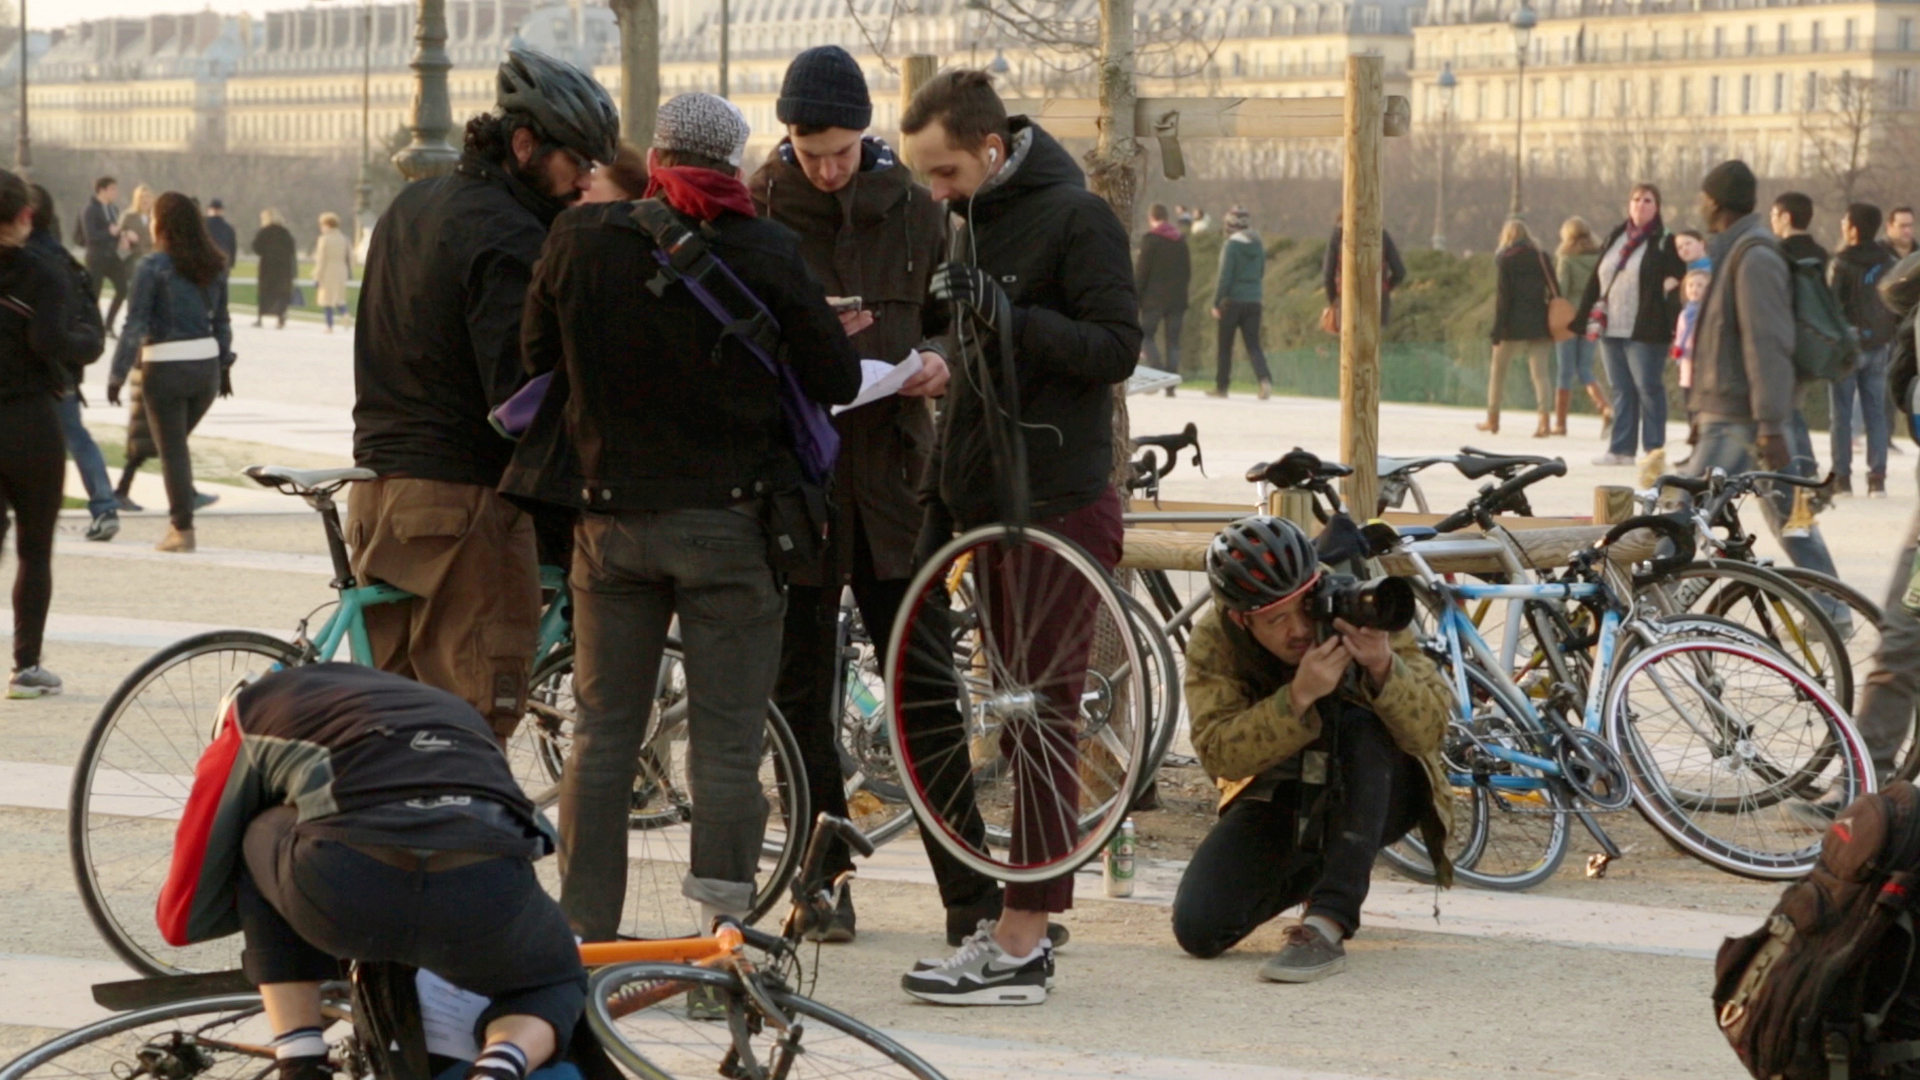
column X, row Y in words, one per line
column 1385, row 603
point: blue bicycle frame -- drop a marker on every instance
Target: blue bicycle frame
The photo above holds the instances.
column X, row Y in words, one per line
column 347, row 623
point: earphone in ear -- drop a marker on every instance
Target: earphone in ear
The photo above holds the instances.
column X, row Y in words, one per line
column 993, row 156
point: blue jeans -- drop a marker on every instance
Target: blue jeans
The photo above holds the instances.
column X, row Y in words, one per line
column 1637, row 370
column 1728, row 445
column 329, row 312
column 1869, row 383
column 1576, row 362
column 86, row 455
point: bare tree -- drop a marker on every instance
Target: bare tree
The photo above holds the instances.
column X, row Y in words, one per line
column 1838, row 134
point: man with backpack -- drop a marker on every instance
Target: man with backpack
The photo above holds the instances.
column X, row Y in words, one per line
column 1855, row 280
column 686, row 467
column 86, row 340
column 1743, row 357
column 1791, row 220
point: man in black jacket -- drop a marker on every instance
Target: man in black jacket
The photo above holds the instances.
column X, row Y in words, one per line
column 682, row 456
column 436, row 345
column 1162, row 274
column 1048, row 255
column 221, row 230
column 1855, row 279
column 100, row 221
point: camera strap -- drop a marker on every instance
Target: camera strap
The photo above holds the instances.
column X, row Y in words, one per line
column 1321, row 789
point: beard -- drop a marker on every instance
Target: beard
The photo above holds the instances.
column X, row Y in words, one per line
column 534, row 176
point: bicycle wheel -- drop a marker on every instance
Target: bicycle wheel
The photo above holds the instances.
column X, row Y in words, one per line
column 221, row 1037
column 1025, row 712
column 639, row 1014
column 1164, row 689
column 876, row 801
column 1712, row 732
column 1767, row 604
column 1861, row 627
column 1511, row 820
column 660, row 821
column 131, row 786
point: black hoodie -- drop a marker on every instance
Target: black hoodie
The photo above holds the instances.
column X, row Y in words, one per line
column 1063, row 259
column 1855, row 279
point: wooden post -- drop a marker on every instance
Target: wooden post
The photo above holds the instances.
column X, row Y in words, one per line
column 639, row 22
column 914, row 72
column 1612, row 504
column 1295, row 506
column 1360, row 284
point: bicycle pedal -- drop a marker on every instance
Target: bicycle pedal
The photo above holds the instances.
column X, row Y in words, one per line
column 1597, row 864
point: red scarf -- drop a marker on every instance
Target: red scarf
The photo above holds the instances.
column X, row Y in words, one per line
column 1166, row 230
column 700, row 193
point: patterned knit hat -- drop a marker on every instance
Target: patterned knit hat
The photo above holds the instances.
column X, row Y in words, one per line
column 702, row 124
column 1238, row 218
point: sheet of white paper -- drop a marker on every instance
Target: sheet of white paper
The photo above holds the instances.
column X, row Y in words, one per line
column 447, row 1014
column 880, row 379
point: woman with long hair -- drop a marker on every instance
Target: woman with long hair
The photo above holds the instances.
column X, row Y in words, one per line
column 1578, row 255
column 1520, row 323
column 332, row 268
column 136, row 226
column 274, row 291
column 34, row 348
column 1629, row 309
column 179, row 334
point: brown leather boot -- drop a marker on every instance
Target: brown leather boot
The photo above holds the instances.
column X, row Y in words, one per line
column 1562, row 401
column 177, row 540
column 1491, row 425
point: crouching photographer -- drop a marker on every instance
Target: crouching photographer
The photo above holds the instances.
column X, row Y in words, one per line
column 1324, row 737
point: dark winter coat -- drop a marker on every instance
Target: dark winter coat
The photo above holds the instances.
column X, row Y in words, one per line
column 34, row 295
column 1062, row 257
column 878, row 238
column 97, row 220
column 1658, row 308
column 1520, row 301
column 658, row 417
column 86, row 334
column 437, row 341
column 1163, row 273
column 1855, row 281
column 221, row 230
column 1393, row 271
column 274, row 289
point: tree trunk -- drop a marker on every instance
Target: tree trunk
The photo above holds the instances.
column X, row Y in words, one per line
column 1111, row 170
column 639, row 67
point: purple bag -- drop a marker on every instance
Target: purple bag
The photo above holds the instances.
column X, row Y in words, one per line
column 512, row 417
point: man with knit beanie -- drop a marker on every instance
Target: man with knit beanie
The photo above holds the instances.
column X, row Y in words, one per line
column 681, row 453
column 1743, row 390
column 866, row 231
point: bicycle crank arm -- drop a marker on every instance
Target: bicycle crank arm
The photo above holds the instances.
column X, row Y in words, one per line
column 1607, row 847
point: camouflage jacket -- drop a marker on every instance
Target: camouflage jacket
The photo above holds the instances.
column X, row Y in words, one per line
column 1244, row 724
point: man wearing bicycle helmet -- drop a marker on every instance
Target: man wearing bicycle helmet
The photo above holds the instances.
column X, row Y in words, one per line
column 342, row 813
column 1325, row 742
column 437, row 345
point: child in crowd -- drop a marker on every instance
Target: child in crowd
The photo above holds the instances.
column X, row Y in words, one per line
column 1694, row 290
column 1692, row 249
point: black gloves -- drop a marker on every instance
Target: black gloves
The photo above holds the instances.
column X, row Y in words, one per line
column 969, row 286
column 113, row 393
column 226, row 382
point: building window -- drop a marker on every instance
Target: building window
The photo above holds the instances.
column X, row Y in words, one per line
column 1654, row 52
column 1370, row 18
column 1903, row 35
column 1780, row 92
column 1746, row 93
column 1593, row 97
column 1784, row 44
column 1566, row 48
column 1566, row 97
column 1811, row 100
column 1653, row 97
column 1719, row 41
column 1480, row 101
column 1539, row 92
column 1850, row 34
column 1623, row 106
column 1753, row 40
column 1813, row 41
column 1903, row 88
column 1713, row 96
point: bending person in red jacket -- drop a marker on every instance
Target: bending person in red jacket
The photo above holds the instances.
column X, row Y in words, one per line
column 342, row 813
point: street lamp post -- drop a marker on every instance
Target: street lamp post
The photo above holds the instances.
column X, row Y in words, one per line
column 1523, row 22
column 363, row 192
column 429, row 154
column 726, row 48
column 1445, row 84
column 22, row 148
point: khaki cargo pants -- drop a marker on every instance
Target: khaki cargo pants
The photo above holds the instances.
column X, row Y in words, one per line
column 467, row 556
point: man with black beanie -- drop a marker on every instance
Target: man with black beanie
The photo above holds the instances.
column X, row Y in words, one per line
column 1743, row 383
column 867, row 231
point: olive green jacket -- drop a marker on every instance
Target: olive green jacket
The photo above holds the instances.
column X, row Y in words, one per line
column 1244, row 723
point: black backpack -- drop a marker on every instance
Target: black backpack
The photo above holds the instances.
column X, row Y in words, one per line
column 1826, row 990
column 86, row 333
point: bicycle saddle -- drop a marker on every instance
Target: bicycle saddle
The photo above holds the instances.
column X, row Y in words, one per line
column 1387, row 466
column 1473, row 466
column 306, row 479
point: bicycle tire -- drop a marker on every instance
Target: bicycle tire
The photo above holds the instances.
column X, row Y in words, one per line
column 1658, row 759
column 1863, row 636
column 1732, row 589
column 1164, row 682
column 56, row 1059
column 876, row 802
column 660, row 1042
column 662, row 807
column 1008, row 722
column 140, row 805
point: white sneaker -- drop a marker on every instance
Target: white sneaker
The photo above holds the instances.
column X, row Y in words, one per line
column 33, row 682
column 981, row 973
column 1613, row 459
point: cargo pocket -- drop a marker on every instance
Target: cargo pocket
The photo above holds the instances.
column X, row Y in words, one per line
column 429, row 522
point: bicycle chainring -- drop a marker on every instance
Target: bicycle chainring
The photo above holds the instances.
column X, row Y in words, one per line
column 1593, row 769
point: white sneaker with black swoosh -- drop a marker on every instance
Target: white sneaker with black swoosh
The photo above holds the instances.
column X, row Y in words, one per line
column 981, row 973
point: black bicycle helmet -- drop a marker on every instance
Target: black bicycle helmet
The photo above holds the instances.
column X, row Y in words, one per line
column 1900, row 288
column 565, row 103
column 1258, row 561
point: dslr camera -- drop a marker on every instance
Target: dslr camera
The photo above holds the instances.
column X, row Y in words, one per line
column 1384, row 603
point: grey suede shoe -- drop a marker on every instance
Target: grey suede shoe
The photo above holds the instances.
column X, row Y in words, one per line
column 1306, row 957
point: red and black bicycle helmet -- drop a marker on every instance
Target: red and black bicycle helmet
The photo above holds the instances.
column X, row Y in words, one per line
column 1259, row 561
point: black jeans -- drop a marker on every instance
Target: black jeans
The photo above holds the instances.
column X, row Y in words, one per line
column 306, row 904
column 1245, row 319
column 1250, row 869
column 1151, row 321
column 109, row 267
column 33, row 468
column 632, row 573
column 177, row 394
